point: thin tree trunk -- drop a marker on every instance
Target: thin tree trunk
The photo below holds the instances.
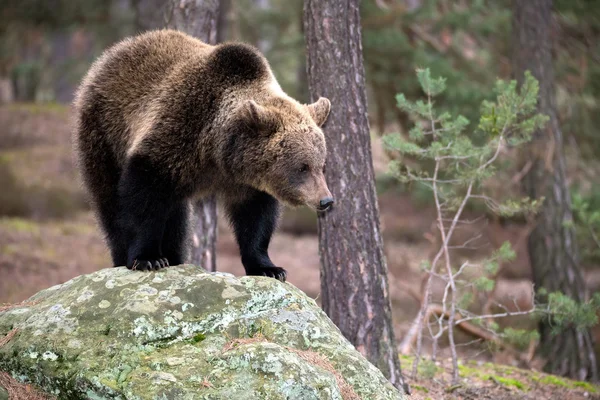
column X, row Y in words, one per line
column 223, row 21
column 204, row 238
column 354, row 283
column 199, row 18
column 552, row 247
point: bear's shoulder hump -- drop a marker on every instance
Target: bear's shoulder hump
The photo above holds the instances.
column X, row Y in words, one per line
column 239, row 62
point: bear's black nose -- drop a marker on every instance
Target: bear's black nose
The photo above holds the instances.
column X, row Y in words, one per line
column 325, row 203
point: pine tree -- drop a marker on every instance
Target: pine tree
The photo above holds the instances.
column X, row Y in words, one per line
column 354, row 282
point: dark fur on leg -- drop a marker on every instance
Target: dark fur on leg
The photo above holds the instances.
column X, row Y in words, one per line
column 145, row 201
column 115, row 236
column 254, row 221
column 101, row 171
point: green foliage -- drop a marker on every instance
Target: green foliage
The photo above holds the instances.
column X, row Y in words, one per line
column 566, row 383
column 510, row 382
column 428, row 369
column 493, row 326
column 465, row 300
column 578, row 72
column 566, row 312
column 513, row 113
column 199, row 337
column 484, row 284
column 456, row 169
column 586, row 211
column 396, row 41
column 441, row 139
column 469, row 43
column 552, row 380
column 505, row 252
column 425, row 265
column 419, row 387
column 520, row 337
column 585, row 385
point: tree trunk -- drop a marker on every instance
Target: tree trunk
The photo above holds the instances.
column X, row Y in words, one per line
column 195, row 17
column 354, row 283
column 552, row 248
column 223, row 20
column 199, row 18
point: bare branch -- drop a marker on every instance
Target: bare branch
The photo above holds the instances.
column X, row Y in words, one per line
column 497, row 315
column 519, row 175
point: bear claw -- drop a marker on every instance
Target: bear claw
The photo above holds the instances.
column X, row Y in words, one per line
column 149, row 265
column 272, row 272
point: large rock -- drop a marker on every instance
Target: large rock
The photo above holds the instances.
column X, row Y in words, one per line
column 182, row 333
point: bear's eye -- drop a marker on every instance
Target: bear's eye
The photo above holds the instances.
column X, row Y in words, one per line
column 304, row 168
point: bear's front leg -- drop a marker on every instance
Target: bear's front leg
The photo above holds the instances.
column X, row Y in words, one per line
column 145, row 200
column 254, row 221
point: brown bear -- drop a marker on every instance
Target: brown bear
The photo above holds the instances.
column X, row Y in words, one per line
column 163, row 118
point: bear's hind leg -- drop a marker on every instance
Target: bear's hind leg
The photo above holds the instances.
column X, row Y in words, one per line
column 254, row 221
column 101, row 175
column 145, row 200
column 175, row 239
column 117, row 242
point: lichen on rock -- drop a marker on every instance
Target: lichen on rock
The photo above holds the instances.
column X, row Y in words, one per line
column 182, row 333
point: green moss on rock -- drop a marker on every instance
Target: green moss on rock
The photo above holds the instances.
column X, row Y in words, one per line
column 183, row 333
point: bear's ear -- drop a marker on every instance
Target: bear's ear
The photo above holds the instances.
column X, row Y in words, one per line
column 319, row 110
column 260, row 119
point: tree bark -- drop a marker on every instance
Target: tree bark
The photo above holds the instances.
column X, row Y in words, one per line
column 552, row 247
column 354, row 283
column 195, row 17
column 199, row 18
column 223, row 20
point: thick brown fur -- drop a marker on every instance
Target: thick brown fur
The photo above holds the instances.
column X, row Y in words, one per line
column 163, row 118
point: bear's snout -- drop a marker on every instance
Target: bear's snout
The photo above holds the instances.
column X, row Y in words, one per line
column 321, row 198
column 325, row 204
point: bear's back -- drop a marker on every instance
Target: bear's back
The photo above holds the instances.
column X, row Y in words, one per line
column 117, row 97
column 163, row 82
column 167, row 63
column 135, row 68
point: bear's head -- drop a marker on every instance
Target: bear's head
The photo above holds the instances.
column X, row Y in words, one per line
column 286, row 154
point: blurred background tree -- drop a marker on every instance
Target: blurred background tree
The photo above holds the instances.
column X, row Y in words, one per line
column 553, row 249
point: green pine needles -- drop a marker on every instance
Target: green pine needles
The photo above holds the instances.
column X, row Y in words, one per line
column 455, row 162
column 445, row 141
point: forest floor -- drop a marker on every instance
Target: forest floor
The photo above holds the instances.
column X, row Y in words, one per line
column 489, row 381
column 48, row 235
